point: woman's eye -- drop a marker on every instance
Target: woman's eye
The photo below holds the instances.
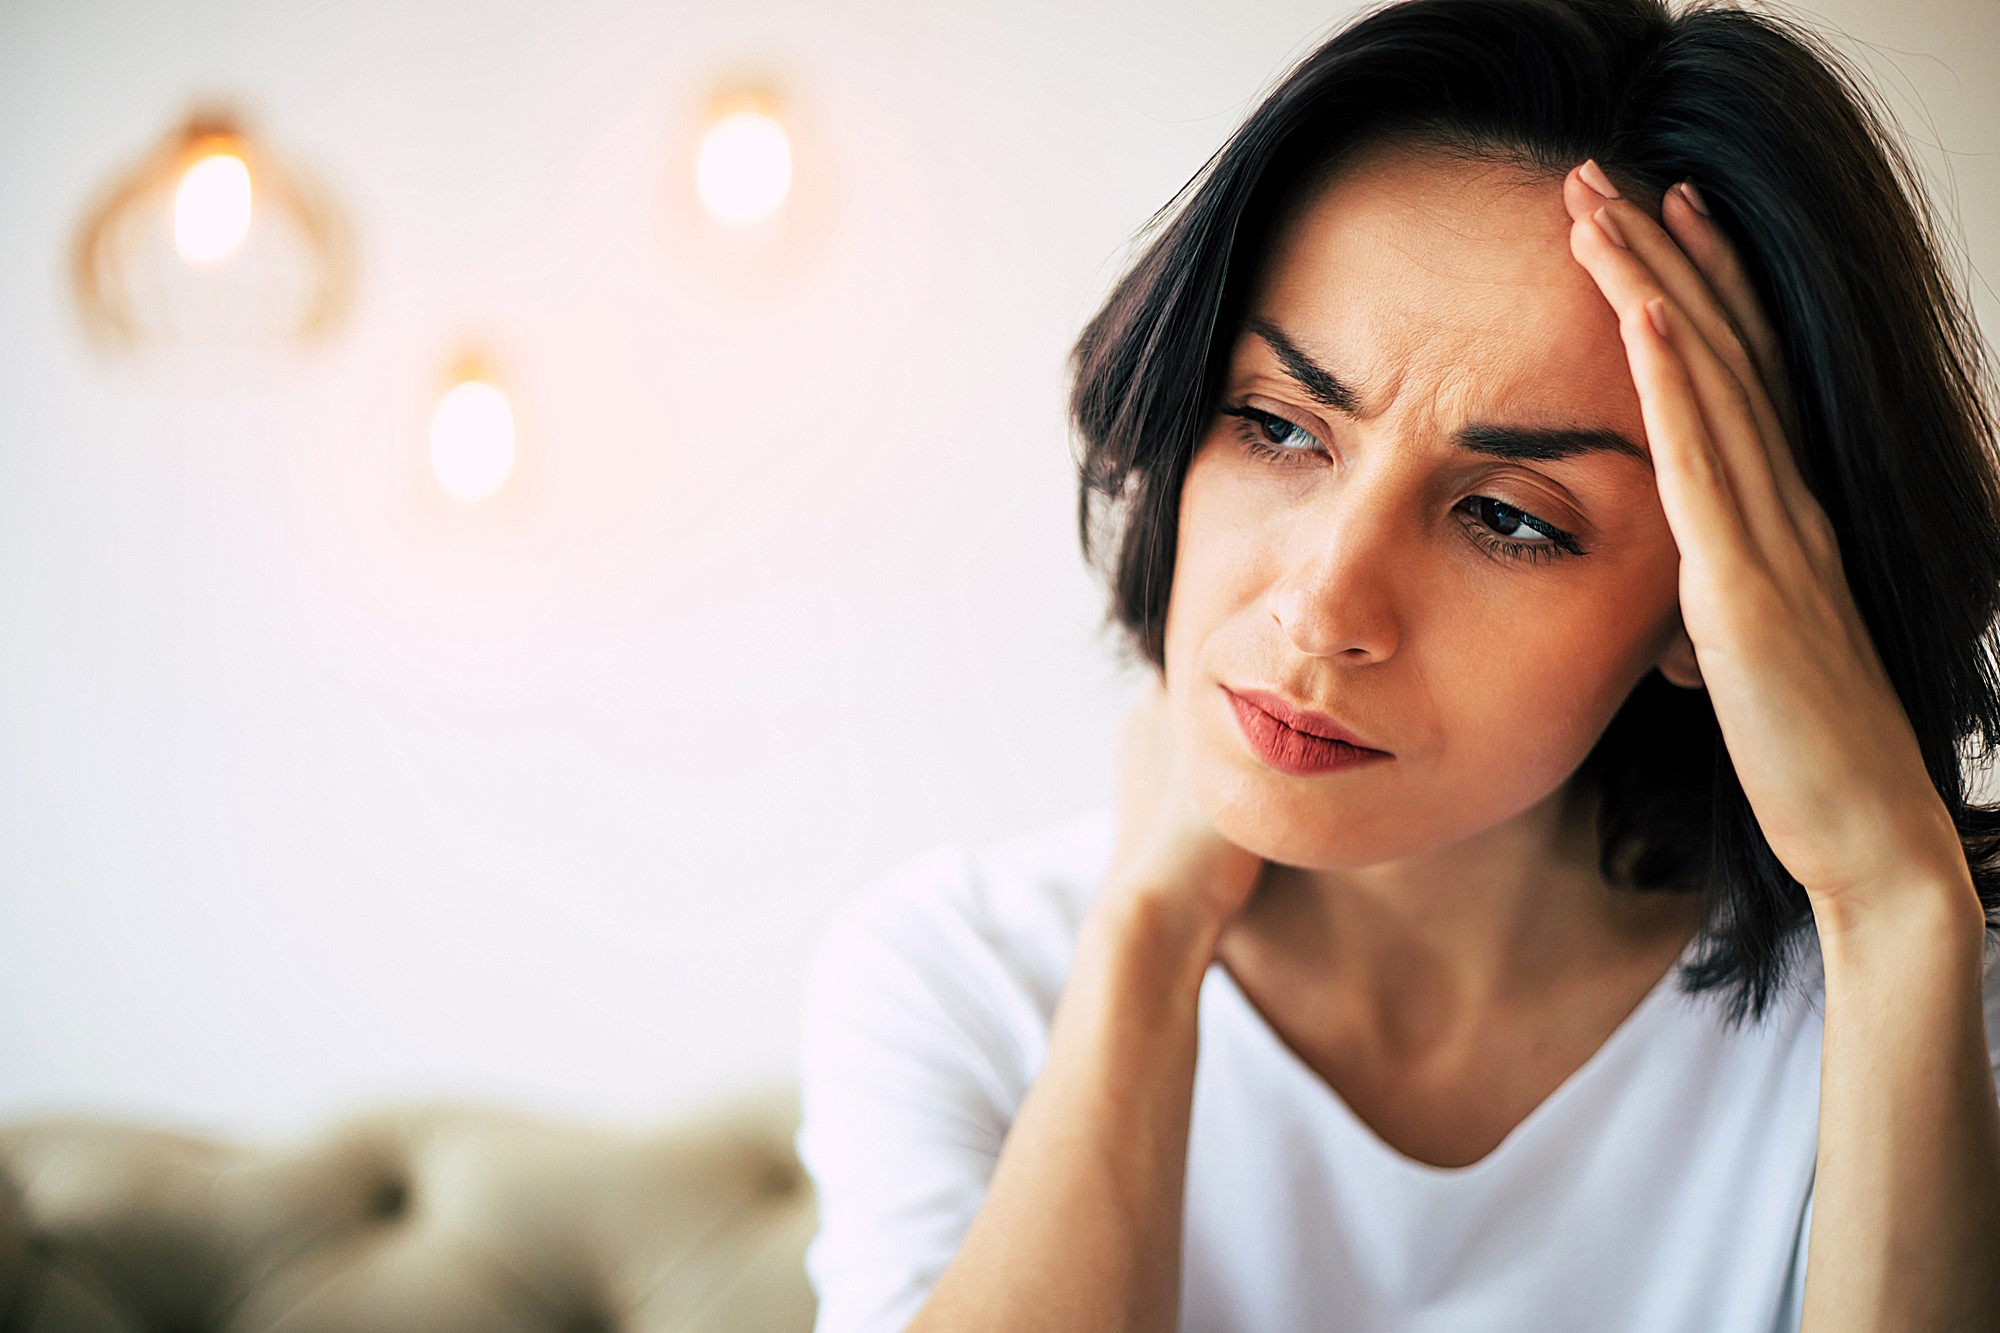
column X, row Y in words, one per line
column 1270, row 433
column 1515, row 532
column 1500, row 527
column 1507, row 520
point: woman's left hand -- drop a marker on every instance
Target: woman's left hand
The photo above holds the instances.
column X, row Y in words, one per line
column 1818, row 737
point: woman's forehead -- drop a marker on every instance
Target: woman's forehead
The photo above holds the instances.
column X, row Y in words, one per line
column 1414, row 264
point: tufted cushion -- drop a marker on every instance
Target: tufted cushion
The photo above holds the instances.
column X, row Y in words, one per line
column 440, row 1218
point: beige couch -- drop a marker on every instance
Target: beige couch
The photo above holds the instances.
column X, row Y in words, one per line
column 439, row 1218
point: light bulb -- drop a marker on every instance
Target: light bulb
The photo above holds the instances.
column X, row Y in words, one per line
column 472, row 441
column 212, row 208
column 743, row 168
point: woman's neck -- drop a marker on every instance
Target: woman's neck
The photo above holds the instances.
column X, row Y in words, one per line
column 1497, row 922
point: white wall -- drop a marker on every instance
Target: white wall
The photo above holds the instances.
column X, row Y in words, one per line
column 309, row 799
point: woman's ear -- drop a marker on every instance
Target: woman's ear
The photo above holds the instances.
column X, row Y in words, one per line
column 1678, row 664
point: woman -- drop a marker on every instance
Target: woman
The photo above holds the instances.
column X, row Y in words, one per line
column 1569, row 592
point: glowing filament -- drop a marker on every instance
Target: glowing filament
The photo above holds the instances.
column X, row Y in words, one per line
column 472, row 441
column 743, row 169
column 212, row 208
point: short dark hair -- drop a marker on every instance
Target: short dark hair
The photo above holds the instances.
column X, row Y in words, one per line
column 1891, row 386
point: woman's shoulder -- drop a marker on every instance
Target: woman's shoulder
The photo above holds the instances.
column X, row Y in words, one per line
column 1015, row 899
column 938, row 981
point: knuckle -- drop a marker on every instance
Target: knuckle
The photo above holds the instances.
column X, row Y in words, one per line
column 1817, row 529
column 1735, row 349
column 1739, row 394
column 1698, row 461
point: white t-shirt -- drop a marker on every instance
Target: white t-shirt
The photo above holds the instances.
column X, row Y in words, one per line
column 1665, row 1186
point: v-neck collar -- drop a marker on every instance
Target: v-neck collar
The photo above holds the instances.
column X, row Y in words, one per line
column 1626, row 1033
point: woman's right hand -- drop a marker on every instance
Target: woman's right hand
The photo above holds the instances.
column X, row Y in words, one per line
column 1089, row 1189
column 1168, row 855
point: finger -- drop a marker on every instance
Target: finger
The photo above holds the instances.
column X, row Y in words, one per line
column 1711, row 288
column 1659, row 251
column 1694, row 486
column 1728, row 317
column 1711, row 254
column 1714, row 394
column 1705, row 246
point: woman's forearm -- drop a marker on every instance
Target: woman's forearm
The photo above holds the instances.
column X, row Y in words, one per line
column 1906, row 1210
column 1081, row 1225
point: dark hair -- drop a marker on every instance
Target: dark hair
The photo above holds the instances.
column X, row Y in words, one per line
column 1889, row 379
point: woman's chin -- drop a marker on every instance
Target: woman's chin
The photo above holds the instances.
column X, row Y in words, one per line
column 1307, row 849
column 1292, row 833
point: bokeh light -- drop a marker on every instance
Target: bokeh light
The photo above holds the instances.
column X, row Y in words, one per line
column 472, row 441
column 212, row 208
column 743, row 168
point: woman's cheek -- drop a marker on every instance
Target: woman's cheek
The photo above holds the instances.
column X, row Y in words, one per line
column 1541, row 707
column 1213, row 559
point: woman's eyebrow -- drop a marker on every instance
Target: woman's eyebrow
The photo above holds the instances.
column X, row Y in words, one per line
column 1525, row 444
column 1320, row 384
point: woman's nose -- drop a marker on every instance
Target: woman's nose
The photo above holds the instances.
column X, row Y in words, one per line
column 1335, row 596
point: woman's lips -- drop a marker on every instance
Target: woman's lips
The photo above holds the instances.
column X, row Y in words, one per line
column 1284, row 746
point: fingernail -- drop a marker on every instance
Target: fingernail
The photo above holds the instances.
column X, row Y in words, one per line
column 1609, row 226
column 1593, row 176
column 1656, row 311
column 1693, row 196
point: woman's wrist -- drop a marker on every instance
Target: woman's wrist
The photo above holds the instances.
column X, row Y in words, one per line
column 1166, row 933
